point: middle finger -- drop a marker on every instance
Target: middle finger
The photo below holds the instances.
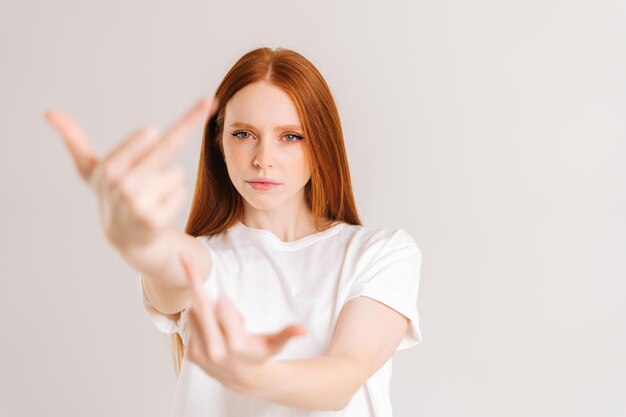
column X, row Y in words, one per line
column 206, row 315
column 175, row 136
column 230, row 320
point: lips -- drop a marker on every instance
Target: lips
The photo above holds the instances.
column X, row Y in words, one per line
column 263, row 186
column 264, row 180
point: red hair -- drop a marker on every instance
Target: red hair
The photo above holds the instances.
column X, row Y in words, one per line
column 217, row 205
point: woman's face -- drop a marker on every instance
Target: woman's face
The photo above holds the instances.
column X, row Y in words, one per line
column 263, row 137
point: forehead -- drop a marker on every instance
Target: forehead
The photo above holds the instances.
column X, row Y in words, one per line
column 262, row 105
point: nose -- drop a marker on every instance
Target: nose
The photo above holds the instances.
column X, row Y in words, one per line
column 263, row 157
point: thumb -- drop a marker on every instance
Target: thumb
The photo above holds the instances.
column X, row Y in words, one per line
column 75, row 140
column 277, row 340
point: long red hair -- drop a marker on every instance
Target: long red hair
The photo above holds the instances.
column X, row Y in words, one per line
column 217, row 205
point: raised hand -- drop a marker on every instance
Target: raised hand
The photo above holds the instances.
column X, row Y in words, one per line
column 218, row 342
column 137, row 195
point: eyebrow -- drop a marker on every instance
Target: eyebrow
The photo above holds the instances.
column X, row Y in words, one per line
column 249, row 126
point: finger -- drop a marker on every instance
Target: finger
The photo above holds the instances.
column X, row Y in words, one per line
column 76, row 140
column 122, row 158
column 276, row 341
column 206, row 315
column 198, row 338
column 165, row 213
column 241, row 317
column 175, row 136
column 231, row 322
column 152, row 191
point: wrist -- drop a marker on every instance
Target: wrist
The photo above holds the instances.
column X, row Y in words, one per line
column 147, row 256
column 260, row 382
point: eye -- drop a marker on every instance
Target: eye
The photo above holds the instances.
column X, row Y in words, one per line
column 236, row 134
column 293, row 135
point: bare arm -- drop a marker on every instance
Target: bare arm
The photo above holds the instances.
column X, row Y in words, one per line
column 135, row 210
column 367, row 334
column 162, row 273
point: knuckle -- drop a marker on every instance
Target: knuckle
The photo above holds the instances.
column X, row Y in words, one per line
column 236, row 347
column 137, row 209
column 153, row 222
column 137, row 206
column 217, row 356
column 108, row 171
column 95, row 177
column 126, row 190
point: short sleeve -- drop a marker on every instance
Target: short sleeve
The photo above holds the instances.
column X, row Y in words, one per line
column 162, row 322
column 392, row 277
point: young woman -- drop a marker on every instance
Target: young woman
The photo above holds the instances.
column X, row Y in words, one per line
column 279, row 301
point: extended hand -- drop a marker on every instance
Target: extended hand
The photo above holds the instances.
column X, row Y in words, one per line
column 138, row 193
column 218, row 342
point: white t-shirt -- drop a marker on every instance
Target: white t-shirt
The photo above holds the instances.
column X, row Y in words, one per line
column 306, row 281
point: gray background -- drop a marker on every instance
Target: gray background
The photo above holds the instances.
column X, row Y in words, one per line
column 492, row 131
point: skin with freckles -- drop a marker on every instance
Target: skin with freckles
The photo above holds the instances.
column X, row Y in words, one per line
column 139, row 195
column 262, row 136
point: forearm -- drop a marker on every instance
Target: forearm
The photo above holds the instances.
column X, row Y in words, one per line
column 159, row 259
column 322, row 383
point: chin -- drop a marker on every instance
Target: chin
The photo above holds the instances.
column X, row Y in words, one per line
column 264, row 202
column 263, row 206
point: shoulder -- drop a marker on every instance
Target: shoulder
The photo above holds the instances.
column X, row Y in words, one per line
column 381, row 247
column 381, row 239
column 217, row 241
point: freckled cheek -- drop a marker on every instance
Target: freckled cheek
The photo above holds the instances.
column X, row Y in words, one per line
column 298, row 168
column 292, row 159
column 238, row 155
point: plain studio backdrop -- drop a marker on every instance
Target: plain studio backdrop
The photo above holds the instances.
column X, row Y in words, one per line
column 492, row 131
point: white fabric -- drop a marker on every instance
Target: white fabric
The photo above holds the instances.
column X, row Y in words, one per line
column 306, row 281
